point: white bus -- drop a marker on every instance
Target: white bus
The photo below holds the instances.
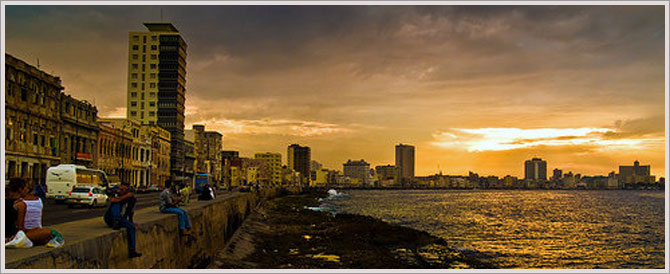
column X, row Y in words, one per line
column 62, row 178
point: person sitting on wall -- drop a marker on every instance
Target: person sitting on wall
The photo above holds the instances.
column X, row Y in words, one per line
column 28, row 209
column 185, row 193
column 114, row 219
column 207, row 193
column 168, row 201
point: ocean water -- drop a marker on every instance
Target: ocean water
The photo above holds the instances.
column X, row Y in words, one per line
column 530, row 228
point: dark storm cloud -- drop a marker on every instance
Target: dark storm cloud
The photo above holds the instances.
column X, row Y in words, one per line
column 342, row 70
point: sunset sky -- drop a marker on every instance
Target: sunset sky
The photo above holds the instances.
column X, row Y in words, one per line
column 478, row 88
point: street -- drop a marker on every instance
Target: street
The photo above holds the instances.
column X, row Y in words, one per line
column 60, row 213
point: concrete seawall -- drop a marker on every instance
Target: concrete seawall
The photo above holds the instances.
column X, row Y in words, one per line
column 91, row 244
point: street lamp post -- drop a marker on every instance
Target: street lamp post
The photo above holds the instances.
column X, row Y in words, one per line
column 151, row 159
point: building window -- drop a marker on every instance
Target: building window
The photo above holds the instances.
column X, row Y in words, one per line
column 133, row 104
column 152, row 85
column 133, row 94
column 133, row 85
column 143, row 78
column 152, row 104
column 152, row 66
column 9, row 133
column 42, row 140
column 24, row 94
column 142, row 95
column 135, row 47
column 151, row 113
column 35, row 138
column 142, row 105
column 152, row 76
column 154, row 57
column 144, row 39
column 135, row 56
column 134, row 66
column 133, row 76
column 133, row 113
column 136, row 38
column 144, row 48
column 154, row 47
column 143, row 67
column 152, row 94
column 141, row 114
column 142, row 84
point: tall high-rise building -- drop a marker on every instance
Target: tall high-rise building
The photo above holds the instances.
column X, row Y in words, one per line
column 299, row 159
column 404, row 161
column 535, row 169
column 156, row 83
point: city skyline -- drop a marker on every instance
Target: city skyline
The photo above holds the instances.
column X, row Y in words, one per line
column 583, row 90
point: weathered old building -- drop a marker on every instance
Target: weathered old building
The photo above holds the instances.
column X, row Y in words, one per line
column 159, row 158
column 79, row 133
column 114, row 150
column 32, row 120
column 212, row 148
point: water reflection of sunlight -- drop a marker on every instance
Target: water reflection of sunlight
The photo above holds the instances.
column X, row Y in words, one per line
column 533, row 229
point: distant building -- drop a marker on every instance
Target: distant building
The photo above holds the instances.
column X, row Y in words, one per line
column 299, row 159
column 227, row 157
column 636, row 174
column 358, row 170
column 273, row 161
column 115, row 149
column 535, row 170
column 387, row 175
column 159, row 169
column 404, row 160
column 188, row 170
column 213, row 143
column 612, row 181
column 139, row 150
column 558, row 174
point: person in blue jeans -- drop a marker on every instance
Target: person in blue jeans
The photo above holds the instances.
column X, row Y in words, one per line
column 168, row 204
column 113, row 217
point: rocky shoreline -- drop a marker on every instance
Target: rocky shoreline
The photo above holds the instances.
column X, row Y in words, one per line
column 284, row 233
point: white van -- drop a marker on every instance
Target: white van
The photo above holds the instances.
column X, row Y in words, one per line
column 62, row 178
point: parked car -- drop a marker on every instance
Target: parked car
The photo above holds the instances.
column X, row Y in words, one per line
column 155, row 189
column 142, row 189
column 89, row 195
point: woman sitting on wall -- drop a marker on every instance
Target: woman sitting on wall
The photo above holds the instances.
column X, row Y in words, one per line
column 28, row 211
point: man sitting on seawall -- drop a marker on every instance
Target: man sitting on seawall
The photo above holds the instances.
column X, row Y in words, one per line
column 123, row 198
column 168, row 201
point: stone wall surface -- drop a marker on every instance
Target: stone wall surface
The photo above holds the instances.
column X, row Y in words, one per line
column 90, row 244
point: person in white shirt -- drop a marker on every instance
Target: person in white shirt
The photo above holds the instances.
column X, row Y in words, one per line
column 29, row 208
